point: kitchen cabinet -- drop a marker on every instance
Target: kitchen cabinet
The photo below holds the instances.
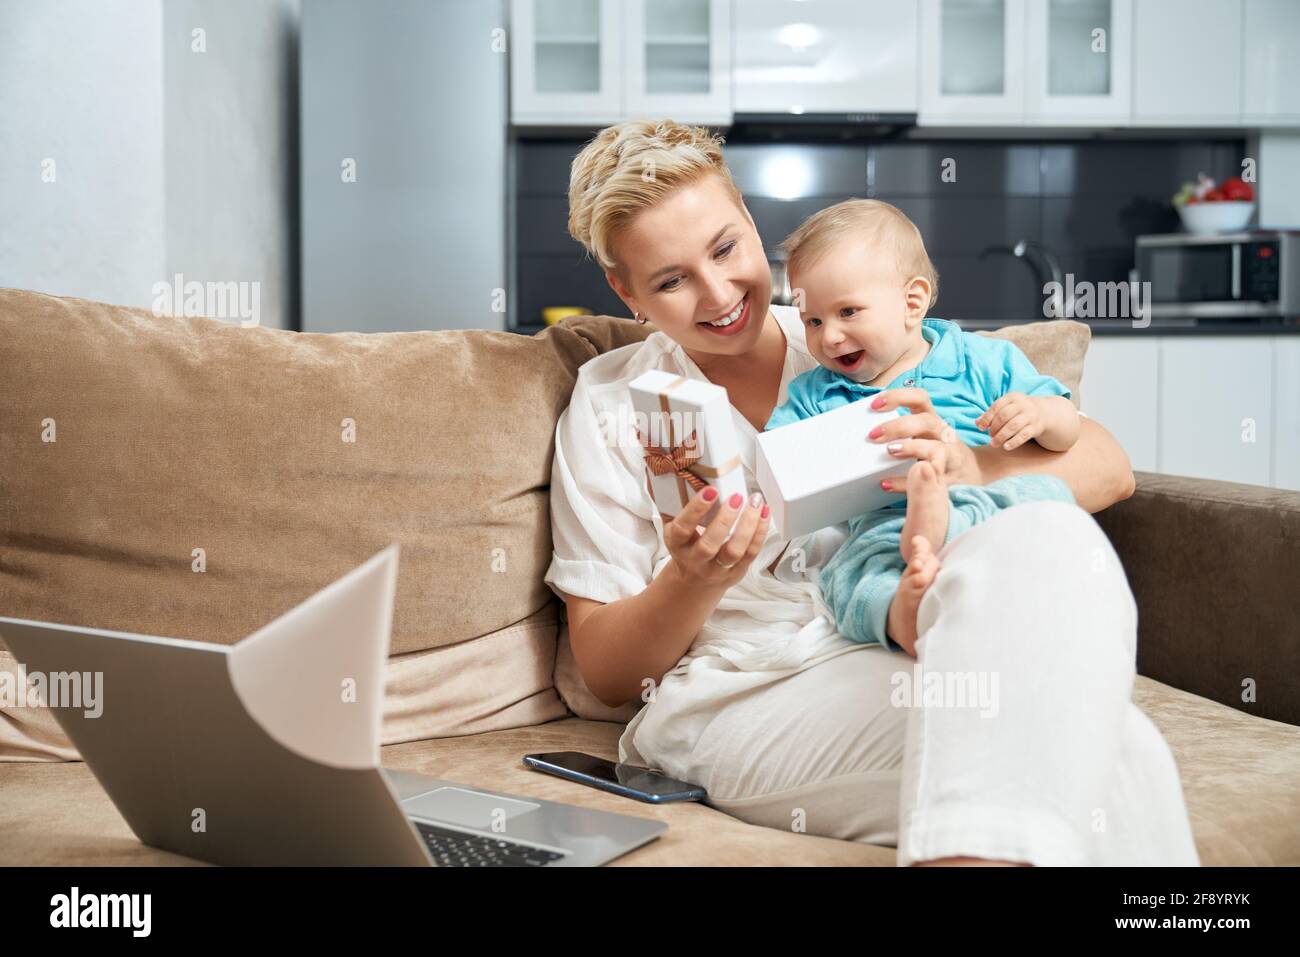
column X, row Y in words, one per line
column 972, row 62
column 595, row 62
column 1026, row 62
column 1079, row 62
column 956, row 63
column 677, row 60
column 1121, row 390
column 825, row 56
column 1216, row 407
column 1271, row 83
column 566, row 62
column 1187, row 62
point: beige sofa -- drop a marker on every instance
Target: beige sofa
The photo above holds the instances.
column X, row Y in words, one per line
column 190, row 478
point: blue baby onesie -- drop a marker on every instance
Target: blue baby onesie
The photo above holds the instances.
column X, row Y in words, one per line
column 964, row 375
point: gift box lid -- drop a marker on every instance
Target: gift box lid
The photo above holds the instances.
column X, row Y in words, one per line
column 827, row 450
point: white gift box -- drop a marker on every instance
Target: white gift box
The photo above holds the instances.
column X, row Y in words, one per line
column 689, row 424
column 824, row 470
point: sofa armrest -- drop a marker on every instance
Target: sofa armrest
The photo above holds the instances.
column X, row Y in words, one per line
column 1215, row 569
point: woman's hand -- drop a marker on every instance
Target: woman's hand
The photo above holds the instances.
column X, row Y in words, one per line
column 705, row 559
column 923, row 436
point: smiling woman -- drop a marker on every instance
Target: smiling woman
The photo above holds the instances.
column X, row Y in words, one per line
column 723, row 634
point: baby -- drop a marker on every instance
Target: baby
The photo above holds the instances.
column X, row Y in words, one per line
column 863, row 283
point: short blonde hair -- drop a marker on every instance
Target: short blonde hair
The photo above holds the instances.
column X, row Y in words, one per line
column 883, row 224
column 630, row 167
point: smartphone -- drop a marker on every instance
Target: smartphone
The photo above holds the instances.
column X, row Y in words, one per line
column 641, row 784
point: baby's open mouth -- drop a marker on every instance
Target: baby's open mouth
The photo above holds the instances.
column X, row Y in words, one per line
column 850, row 360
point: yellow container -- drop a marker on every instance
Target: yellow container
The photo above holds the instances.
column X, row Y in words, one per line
column 553, row 314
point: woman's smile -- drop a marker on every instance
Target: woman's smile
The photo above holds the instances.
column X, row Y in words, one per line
column 734, row 322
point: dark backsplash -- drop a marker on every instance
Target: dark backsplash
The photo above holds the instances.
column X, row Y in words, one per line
column 1086, row 201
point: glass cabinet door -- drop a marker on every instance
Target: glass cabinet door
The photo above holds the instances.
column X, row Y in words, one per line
column 565, row 61
column 973, row 60
column 678, row 56
column 1079, row 60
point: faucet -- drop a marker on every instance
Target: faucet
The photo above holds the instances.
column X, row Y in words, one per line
column 1046, row 268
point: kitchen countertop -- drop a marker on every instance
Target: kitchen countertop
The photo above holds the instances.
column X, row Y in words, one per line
column 1111, row 327
column 1125, row 327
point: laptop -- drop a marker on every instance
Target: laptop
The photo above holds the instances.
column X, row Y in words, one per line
column 266, row 752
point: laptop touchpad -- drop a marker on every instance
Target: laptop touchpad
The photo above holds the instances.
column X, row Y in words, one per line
column 466, row 808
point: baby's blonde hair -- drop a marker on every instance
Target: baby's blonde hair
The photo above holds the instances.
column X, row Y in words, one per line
column 883, row 224
column 630, row 167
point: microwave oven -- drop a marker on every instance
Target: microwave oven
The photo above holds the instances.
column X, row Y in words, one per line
column 1246, row 275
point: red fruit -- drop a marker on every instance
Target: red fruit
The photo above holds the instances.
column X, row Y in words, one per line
column 1237, row 189
column 1214, row 196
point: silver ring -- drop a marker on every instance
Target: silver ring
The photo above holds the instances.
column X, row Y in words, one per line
column 727, row 567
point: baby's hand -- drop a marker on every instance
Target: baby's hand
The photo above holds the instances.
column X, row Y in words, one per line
column 1012, row 421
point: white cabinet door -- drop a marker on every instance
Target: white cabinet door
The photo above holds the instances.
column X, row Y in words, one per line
column 1079, row 62
column 1121, row 390
column 1216, row 407
column 566, row 58
column 1271, row 88
column 825, row 56
column 1286, row 404
column 1187, row 62
column 972, row 62
column 677, row 60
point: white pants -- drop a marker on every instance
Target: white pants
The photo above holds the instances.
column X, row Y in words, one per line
column 1054, row 765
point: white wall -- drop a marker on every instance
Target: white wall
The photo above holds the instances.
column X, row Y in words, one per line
column 230, row 134
column 167, row 160
column 81, row 83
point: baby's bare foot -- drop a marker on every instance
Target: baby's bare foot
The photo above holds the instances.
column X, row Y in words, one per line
column 927, row 509
column 915, row 582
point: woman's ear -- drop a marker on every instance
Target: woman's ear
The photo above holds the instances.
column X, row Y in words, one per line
column 917, row 299
column 622, row 291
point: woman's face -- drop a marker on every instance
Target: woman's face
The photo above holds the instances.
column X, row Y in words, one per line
column 694, row 265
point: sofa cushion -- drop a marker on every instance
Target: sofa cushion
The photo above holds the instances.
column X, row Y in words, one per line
column 1057, row 348
column 131, row 441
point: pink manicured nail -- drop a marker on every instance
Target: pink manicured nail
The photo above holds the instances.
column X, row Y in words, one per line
column 766, row 511
column 735, row 500
column 887, row 486
column 875, row 433
column 894, row 446
column 878, row 402
column 709, row 494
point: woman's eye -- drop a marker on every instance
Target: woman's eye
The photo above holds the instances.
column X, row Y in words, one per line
column 671, row 284
column 725, row 250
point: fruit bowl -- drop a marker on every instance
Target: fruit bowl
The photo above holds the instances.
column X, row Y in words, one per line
column 1216, row 216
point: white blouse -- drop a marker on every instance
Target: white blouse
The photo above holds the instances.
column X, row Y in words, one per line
column 608, row 541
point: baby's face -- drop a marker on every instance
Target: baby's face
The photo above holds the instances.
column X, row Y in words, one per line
column 855, row 312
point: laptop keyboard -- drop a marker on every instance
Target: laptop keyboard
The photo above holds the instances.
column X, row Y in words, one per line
column 459, row 849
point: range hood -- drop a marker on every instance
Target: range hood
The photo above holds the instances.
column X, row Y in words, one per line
column 820, row 126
